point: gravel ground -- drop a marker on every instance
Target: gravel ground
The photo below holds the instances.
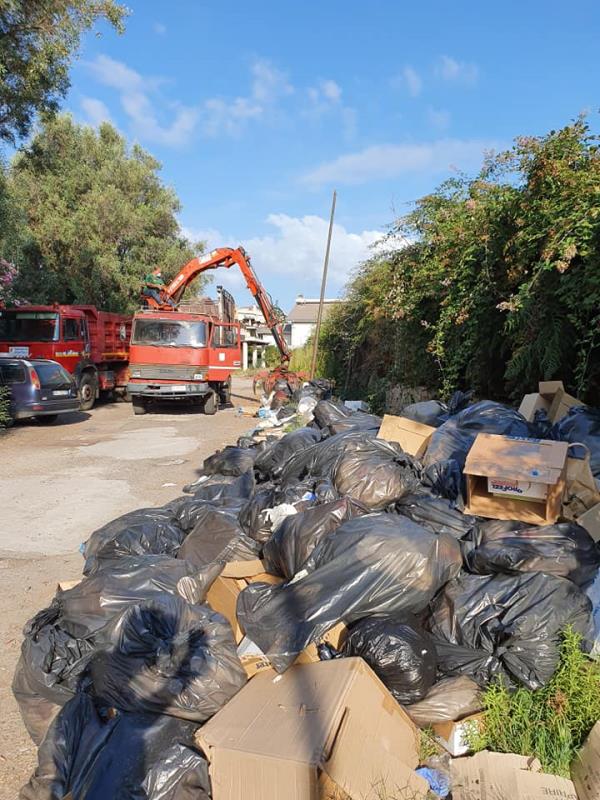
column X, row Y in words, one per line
column 60, row 482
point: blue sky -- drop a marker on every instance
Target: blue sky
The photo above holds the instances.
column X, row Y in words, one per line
column 258, row 110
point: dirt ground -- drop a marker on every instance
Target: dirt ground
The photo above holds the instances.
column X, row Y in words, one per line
column 60, row 482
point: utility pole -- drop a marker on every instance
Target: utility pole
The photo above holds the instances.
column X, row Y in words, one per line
column 313, row 366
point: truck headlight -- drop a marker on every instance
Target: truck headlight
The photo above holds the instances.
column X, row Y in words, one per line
column 198, row 376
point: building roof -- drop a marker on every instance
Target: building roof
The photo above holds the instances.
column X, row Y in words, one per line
column 306, row 310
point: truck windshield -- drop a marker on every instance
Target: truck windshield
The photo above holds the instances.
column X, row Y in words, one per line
column 28, row 326
column 169, row 333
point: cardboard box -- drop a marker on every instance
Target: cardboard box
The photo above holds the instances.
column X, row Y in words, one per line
column 552, row 398
column 413, row 437
column 223, row 594
column 453, row 736
column 585, row 771
column 532, row 403
column 279, row 735
column 591, row 522
column 505, row 776
column 516, row 459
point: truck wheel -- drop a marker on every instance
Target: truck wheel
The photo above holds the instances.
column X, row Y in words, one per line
column 139, row 405
column 87, row 389
column 210, row 404
column 225, row 393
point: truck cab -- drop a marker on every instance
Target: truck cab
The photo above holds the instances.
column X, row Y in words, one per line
column 182, row 356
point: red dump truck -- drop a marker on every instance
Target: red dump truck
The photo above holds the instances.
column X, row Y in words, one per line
column 92, row 345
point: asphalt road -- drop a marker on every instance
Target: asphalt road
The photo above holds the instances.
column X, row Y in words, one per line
column 60, row 482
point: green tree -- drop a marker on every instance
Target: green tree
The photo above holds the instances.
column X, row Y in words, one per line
column 496, row 284
column 97, row 217
column 38, row 39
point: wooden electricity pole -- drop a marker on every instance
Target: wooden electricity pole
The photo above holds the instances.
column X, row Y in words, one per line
column 313, row 366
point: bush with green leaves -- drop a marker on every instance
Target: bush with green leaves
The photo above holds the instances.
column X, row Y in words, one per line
column 550, row 723
column 491, row 283
column 5, row 417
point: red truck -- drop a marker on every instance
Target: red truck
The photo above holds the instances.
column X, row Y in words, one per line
column 92, row 345
column 180, row 353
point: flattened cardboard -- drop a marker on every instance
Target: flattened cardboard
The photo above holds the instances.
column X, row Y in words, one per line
column 549, row 388
column 532, row 403
column 582, row 492
column 591, row 522
column 505, row 776
column 585, row 771
column 453, row 736
column 537, row 460
column 413, row 437
column 273, row 738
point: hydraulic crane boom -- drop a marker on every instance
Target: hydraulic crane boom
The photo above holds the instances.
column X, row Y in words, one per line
column 225, row 257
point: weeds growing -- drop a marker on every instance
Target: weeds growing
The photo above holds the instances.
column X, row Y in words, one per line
column 550, row 723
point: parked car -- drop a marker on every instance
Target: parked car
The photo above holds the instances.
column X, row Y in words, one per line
column 39, row 388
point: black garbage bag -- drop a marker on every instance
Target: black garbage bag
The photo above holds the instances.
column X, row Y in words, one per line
column 36, row 711
column 217, row 487
column 319, row 388
column 233, row 461
column 87, row 755
column 454, row 438
column 445, row 479
column 357, row 421
column 437, row 514
column 271, row 461
column 376, row 564
column 375, row 473
column 86, row 607
column 564, row 549
column 435, row 413
column 50, row 670
column 252, row 517
column 149, row 518
column 298, row 535
column 505, row 626
column 327, row 412
column 148, row 537
column 217, row 538
column 448, row 700
column 427, row 412
column 581, row 425
column 167, row 656
column 192, row 509
column 398, row 651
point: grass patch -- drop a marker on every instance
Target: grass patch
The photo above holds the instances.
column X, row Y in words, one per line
column 550, row 723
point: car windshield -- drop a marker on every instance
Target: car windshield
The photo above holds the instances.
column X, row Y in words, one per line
column 28, row 326
column 173, row 333
column 52, row 376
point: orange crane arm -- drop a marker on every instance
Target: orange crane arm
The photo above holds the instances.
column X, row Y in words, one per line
column 225, row 257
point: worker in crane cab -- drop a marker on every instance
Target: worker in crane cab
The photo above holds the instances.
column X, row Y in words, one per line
column 153, row 285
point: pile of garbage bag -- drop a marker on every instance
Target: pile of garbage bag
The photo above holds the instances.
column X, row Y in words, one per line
column 118, row 672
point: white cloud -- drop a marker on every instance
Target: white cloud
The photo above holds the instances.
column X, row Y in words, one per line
column 454, row 71
column 389, row 161
column 159, row 28
column 268, row 86
column 292, row 255
column 439, row 118
column 138, row 99
column 326, row 98
column 410, row 79
column 95, row 111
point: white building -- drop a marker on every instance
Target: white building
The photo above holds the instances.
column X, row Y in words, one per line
column 302, row 319
column 256, row 337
